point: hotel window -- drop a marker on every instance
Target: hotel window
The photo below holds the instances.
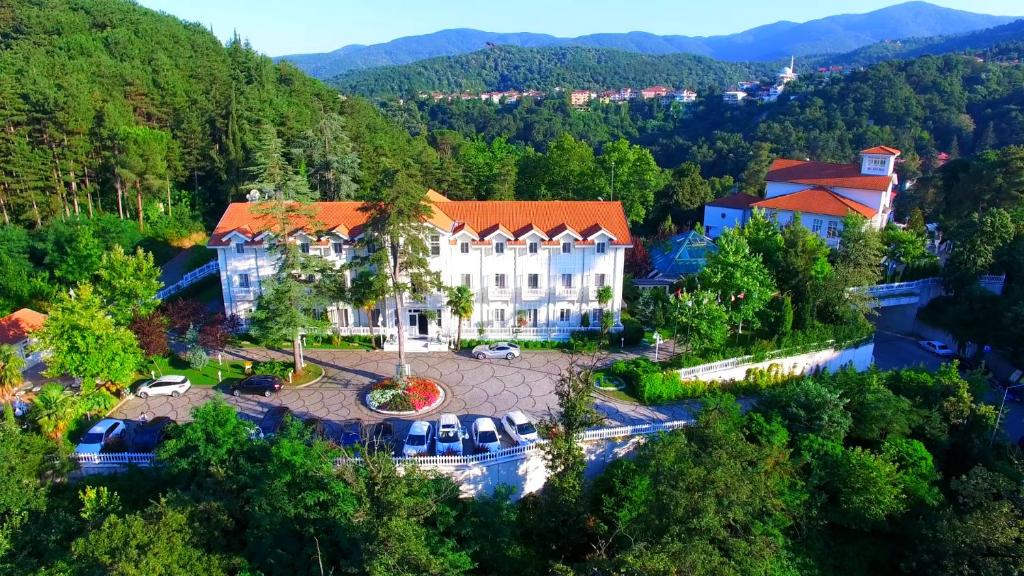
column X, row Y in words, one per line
column 337, row 247
column 435, row 245
column 533, row 281
column 532, row 247
column 816, row 226
column 566, row 247
column 304, row 247
column 343, row 320
column 467, row 280
column 566, row 280
column 243, row 280
column 878, row 163
column 499, row 247
column 531, row 316
column 499, row 315
column 239, row 248
column 464, row 247
column 564, row 314
column 601, row 247
column 599, row 280
column 499, row 281
column 833, row 229
column 595, row 316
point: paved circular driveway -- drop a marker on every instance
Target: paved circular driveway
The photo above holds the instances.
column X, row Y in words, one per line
column 474, row 388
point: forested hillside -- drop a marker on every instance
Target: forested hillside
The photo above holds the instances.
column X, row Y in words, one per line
column 108, row 106
column 777, row 40
column 509, row 67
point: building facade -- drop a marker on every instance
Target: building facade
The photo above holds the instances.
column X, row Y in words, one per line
column 534, row 267
column 821, row 193
column 16, row 330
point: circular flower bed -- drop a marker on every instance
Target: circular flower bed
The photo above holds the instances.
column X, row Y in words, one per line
column 603, row 381
column 417, row 395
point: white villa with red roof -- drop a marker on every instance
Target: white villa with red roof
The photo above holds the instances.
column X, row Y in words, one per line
column 542, row 261
column 821, row 193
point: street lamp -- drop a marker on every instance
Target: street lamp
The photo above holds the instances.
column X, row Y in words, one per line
column 999, row 415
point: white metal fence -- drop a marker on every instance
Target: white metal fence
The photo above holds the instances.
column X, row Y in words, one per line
column 190, row 278
column 118, row 459
column 693, row 371
column 989, row 282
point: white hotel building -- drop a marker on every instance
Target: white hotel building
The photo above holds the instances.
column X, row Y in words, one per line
column 534, row 267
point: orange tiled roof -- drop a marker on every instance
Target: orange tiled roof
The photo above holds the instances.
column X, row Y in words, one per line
column 825, row 174
column 737, row 200
column 17, row 325
column 816, row 201
column 882, row 150
column 550, row 217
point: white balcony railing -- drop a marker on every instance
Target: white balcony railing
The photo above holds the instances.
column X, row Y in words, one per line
column 534, row 293
column 244, row 293
column 496, row 293
column 567, row 292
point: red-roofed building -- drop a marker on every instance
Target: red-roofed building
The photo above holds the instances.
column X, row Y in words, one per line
column 544, row 260
column 822, row 193
column 16, row 329
column 654, row 92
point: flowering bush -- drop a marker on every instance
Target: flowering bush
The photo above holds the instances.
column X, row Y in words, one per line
column 418, row 393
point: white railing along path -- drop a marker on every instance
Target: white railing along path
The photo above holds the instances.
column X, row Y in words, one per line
column 190, row 278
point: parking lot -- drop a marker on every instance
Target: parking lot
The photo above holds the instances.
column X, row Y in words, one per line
column 473, row 388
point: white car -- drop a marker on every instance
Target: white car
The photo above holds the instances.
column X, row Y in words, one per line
column 102, row 434
column 485, row 435
column 164, row 386
column 449, row 435
column 504, row 350
column 519, row 428
column 937, row 348
column 417, row 441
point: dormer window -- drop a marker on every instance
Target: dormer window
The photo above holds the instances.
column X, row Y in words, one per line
column 435, row 245
column 566, row 247
column 304, row 247
column 464, row 247
column 602, row 247
column 337, row 247
column 499, row 247
column 532, row 247
column 877, row 163
column 239, row 248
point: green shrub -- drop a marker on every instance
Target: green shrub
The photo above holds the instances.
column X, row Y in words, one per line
column 197, row 358
column 632, row 333
column 273, row 368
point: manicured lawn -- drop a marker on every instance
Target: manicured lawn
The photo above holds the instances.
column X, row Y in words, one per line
column 230, row 371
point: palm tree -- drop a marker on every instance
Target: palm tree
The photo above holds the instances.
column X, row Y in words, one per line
column 11, row 365
column 53, row 409
column 460, row 302
column 366, row 291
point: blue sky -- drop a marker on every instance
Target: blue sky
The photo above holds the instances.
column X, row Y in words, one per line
column 299, row 26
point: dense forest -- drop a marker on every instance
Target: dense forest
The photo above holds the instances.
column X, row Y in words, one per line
column 510, row 67
column 852, row 474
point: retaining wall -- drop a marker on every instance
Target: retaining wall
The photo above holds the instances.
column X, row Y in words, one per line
column 831, row 359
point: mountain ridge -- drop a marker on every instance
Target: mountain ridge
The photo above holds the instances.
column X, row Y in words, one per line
column 832, row 34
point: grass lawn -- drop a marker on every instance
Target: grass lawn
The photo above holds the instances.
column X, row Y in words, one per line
column 231, row 372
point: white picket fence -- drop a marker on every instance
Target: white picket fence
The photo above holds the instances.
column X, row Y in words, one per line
column 190, row 278
column 114, row 459
column 519, row 452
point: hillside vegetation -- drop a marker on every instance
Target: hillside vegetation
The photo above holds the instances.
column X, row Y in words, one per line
column 509, row 67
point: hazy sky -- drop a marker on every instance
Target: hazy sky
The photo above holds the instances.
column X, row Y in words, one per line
column 299, row 26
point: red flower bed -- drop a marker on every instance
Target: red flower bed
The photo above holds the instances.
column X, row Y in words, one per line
column 422, row 392
column 419, row 393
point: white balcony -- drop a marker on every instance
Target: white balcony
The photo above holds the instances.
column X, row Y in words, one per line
column 534, row 293
column 244, row 293
column 496, row 293
column 567, row 292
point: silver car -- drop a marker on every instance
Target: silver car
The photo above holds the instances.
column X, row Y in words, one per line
column 164, row 386
column 497, row 350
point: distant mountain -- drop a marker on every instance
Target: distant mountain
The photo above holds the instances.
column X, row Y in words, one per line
column 512, row 67
column 834, row 34
column 978, row 41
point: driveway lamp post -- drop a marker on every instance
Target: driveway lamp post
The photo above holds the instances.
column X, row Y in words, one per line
column 999, row 415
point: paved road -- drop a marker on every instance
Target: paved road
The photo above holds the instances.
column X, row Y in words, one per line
column 473, row 388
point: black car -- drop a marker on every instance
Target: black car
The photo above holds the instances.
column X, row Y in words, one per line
column 260, row 384
column 147, row 435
